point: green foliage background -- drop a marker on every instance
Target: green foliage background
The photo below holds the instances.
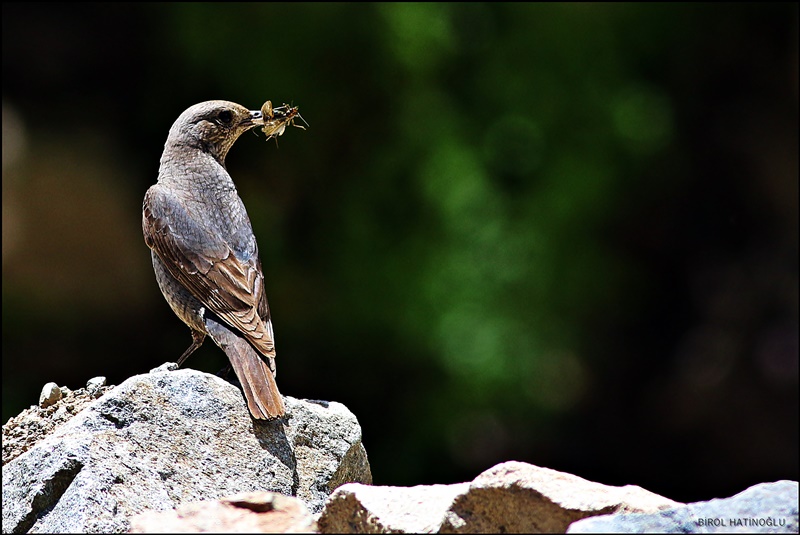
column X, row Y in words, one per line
column 559, row 233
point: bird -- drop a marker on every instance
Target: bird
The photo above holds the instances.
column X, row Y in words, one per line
column 204, row 253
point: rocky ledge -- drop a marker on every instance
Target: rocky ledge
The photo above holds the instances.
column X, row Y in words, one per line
column 163, row 439
column 176, row 451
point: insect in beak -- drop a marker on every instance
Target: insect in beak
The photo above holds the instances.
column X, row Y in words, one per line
column 277, row 119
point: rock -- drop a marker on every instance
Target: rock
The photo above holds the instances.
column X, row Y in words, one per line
column 32, row 425
column 254, row 512
column 764, row 508
column 166, row 367
column 50, row 394
column 511, row 497
column 326, row 448
column 94, row 386
column 523, row 498
column 356, row 508
column 160, row 440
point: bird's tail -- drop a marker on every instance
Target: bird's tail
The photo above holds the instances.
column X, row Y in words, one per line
column 258, row 381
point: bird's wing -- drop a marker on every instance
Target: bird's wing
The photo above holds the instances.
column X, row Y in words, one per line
column 205, row 265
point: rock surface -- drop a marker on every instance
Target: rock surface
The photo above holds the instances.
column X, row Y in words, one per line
column 51, row 393
column 163, row 439
column 159, row 452
column 254, row 512
column 356, row 508
column 32, row 425
column 511, row 497
column 523, row 498
column 764, row 508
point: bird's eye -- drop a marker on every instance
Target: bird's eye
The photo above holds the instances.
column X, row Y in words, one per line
column 225, row 117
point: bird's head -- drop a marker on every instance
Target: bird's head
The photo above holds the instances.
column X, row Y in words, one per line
column 213, row 127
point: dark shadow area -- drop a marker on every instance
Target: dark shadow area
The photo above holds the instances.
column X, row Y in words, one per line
column 272, row 437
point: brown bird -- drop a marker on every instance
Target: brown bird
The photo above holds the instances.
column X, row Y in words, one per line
column 204, row 251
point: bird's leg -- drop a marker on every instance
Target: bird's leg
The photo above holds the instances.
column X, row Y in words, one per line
column 197, row 341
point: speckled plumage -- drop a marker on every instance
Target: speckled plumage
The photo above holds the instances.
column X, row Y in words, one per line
column 204, row 252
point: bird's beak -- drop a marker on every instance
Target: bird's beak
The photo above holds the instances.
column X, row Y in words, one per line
column 257, row 117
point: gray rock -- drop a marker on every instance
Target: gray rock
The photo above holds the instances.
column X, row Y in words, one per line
column 50, row 394
column 163, row 439
column 95, row 385
column 25, row 430
column 764, row 508
column 166, row 367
